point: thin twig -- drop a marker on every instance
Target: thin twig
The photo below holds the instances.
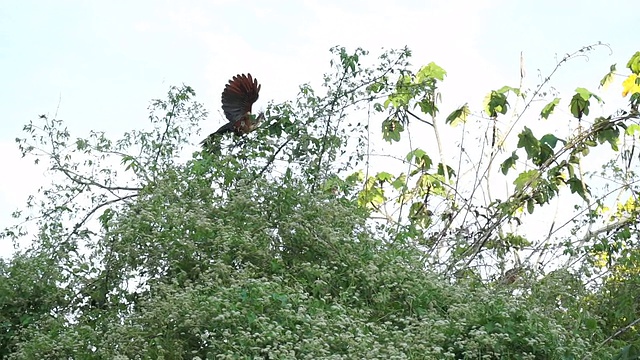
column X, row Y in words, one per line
column 620, row 331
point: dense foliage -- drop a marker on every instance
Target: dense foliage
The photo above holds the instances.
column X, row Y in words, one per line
column 297, row 242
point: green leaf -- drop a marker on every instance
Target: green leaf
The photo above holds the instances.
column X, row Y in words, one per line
column 608, row 78
column 391, row 129
column 496, row 103
column 450, row 170
column 355, row 178
column 548, row 109
column 420, row 158
column 591, row 323
column 550, row 140
column 419, row 214
column 584, row 93
column 106, row 216
column 384, row 176
column 524, row 178
column 632, row 129
column 579, row 106
column 570, row 170
column 634, row 63
column 458, row 116
column 577, row 186
column 607, row 132
column 530, row 206
column 349, row 62
column 529, row 142
column 424, row 162
column 377, row 86
column 399, row 182
column 427, row 106
column 402, row 95
column 505, row 89
column 81, row 144
column 629, row 352
column 130, row 162
column 612, row 136
column 415, row 154
column 509, row 163
column 371, row 194
column 430, row 71
column 546, row 152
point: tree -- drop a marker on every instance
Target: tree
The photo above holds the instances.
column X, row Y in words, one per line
column 294, row 244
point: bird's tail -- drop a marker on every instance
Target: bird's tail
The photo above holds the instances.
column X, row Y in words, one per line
column 211, row 143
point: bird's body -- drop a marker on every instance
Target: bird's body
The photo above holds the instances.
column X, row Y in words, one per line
column 237, row 98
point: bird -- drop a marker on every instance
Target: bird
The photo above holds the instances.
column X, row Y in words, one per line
column 237, row 98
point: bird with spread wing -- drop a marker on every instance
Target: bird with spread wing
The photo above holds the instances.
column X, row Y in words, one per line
column 237, row 98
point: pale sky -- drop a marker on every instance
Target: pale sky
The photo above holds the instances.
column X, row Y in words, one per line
column 98, row 64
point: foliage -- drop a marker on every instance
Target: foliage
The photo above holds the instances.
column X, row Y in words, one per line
column 292, row 243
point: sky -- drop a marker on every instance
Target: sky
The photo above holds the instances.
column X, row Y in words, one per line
column 97, row 65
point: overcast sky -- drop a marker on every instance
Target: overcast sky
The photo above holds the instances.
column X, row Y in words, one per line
column 98, row 63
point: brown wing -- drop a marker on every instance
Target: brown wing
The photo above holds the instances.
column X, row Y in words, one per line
column 238, row 96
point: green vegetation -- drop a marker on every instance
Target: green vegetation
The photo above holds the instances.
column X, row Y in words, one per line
column 303, row 241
